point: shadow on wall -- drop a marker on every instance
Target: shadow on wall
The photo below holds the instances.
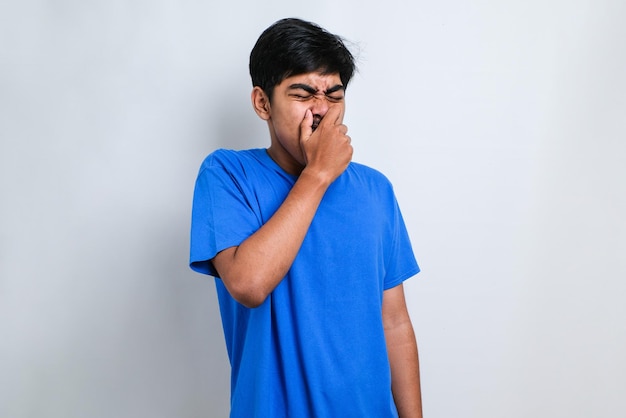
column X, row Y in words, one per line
column 178, row 353
column 237, row 125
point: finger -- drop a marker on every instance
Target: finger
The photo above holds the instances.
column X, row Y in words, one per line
column 333, row 116
column 339, row 119
column 305, row 126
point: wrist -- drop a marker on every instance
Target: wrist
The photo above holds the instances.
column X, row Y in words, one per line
column 316, row 177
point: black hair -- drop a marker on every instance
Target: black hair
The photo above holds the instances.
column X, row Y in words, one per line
column 293, row 46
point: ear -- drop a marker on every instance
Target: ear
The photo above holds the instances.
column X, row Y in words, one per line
column 261, row 103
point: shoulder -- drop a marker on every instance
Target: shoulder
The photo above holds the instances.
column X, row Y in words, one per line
column 234, row 163
column 228, row 158
column 368, row 175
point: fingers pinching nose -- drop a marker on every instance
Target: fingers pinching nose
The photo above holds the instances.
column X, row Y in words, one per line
column 305, row 125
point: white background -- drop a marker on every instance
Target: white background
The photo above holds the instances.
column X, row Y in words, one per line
column 501, row 124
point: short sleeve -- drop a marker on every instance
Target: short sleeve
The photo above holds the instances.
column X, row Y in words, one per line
column 222, row 215
column 400, row 260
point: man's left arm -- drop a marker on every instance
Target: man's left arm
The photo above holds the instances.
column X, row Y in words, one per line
column 402, row 351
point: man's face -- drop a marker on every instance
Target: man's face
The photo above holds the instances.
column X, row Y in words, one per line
column 290, row 101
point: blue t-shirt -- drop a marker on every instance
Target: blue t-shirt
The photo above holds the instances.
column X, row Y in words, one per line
column 316, row 346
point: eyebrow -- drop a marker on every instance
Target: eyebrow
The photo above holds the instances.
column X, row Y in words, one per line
column 311, row 90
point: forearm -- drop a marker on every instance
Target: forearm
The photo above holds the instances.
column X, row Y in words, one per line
column 405, row 375
column 402, row 352
column 253, row 269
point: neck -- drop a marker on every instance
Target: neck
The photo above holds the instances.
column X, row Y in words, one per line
column 284, row 160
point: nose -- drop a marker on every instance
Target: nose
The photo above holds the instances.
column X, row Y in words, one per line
column 320, row 105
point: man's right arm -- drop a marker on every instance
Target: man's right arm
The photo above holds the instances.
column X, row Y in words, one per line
column 253, row 269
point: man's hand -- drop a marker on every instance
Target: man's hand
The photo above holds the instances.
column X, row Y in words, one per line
column 327, row 150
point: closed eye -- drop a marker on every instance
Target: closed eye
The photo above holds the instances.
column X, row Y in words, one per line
column 335, row 99
column 301, row 96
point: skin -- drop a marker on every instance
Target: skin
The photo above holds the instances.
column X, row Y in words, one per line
column 403, row 355
column 309, row 139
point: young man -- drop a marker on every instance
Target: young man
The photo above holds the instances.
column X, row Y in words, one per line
column 309, row 249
